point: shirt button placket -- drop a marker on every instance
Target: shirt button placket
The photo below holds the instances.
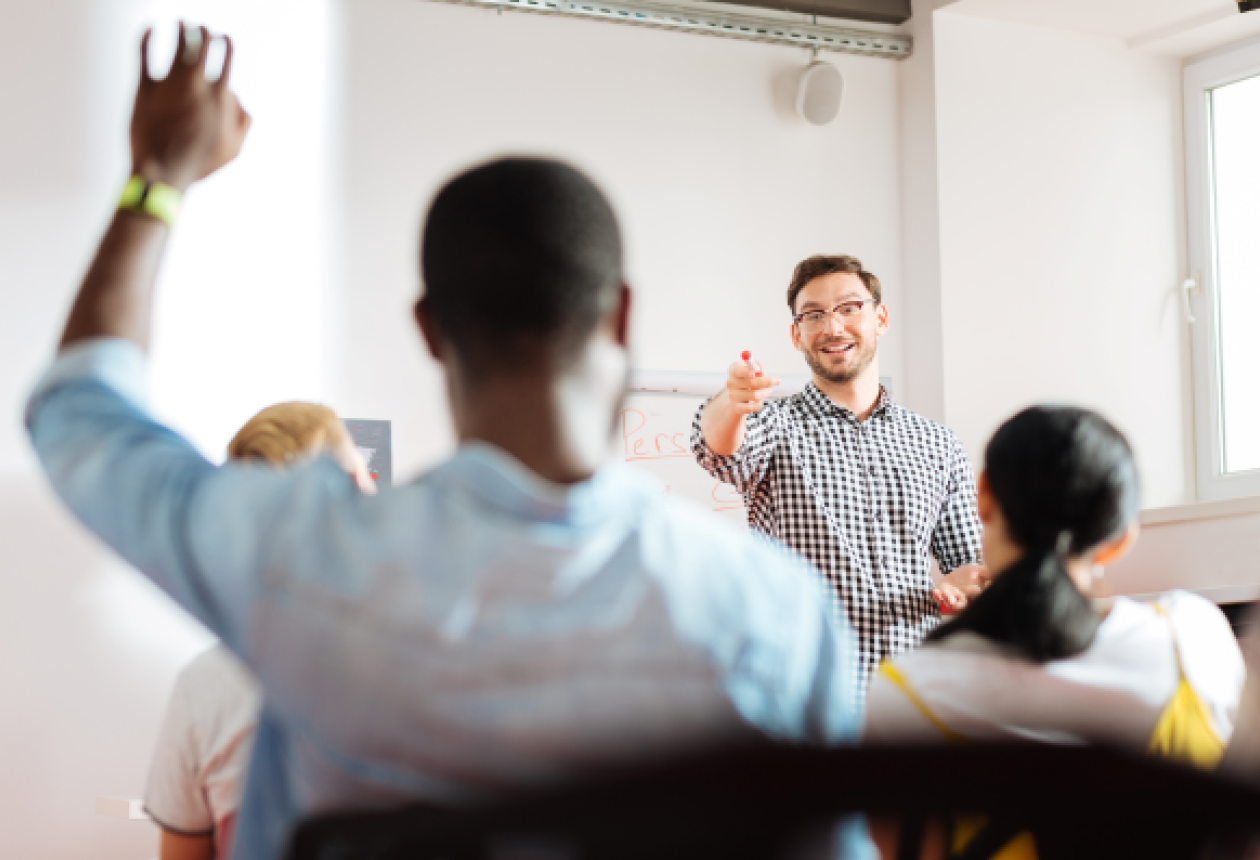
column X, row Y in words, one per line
column 877, row 513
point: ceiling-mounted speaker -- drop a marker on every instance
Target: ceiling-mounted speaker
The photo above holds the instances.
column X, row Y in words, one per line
column 819, row 93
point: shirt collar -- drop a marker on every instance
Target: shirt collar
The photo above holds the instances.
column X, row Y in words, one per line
column 502, row 482
column 885, row 408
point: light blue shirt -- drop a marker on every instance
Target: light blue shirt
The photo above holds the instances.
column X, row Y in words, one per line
column 471, row 633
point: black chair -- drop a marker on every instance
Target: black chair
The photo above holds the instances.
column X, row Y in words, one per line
column 766, row 803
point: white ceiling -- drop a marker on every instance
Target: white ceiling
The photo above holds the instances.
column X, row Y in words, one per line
column 1176, row 27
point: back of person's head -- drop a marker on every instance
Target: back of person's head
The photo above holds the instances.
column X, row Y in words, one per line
column 521, row 258
column 1066, row 483
column 288, row 432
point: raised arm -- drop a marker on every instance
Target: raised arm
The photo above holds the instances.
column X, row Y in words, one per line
column 199, row 532
column 183, row 128
column 728, row 444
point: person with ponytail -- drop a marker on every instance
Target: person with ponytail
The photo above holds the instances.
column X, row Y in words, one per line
column 1036, row 656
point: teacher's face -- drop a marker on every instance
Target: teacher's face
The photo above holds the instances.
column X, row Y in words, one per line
column 844, row 348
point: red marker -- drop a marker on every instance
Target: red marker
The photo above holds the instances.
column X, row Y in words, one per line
column 751, row 362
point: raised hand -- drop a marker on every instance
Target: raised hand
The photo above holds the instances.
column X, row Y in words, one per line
column 745, row 391
column 185, row 127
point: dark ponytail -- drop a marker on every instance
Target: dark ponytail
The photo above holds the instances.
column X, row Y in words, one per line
column 1066, row 482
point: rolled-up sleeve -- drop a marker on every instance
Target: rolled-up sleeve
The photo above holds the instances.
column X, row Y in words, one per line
column 747, row 467
column 956, row 538
column 201, row 533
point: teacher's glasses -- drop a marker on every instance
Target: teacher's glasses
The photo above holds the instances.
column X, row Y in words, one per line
column 811, row 322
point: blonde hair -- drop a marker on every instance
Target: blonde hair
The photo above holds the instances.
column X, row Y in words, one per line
column 288, row 432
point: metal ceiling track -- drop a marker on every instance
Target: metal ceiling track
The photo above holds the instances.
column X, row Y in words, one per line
column 689, row 19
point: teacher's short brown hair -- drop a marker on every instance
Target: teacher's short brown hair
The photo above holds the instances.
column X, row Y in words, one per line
column 821, row 264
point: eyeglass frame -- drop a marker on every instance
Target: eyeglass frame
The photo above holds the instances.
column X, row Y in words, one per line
column 796, row 318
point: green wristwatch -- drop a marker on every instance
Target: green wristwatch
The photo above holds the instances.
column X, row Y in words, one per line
column 156, row 199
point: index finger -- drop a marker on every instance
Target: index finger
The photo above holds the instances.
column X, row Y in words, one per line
column 758, row 383
column 145, row 76
column 203, row 50
column 181, row 50
column 222, row 82
column 741, row 371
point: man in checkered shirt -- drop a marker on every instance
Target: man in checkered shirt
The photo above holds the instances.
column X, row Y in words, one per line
column 860, row 486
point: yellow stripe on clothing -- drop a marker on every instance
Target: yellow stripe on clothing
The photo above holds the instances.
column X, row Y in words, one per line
column 892, row 673
column 1184, row 731
column 1021, row 846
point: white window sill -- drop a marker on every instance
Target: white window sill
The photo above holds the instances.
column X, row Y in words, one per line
column 1201, row 511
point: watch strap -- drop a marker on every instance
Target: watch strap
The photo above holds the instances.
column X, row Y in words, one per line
column 156, row 199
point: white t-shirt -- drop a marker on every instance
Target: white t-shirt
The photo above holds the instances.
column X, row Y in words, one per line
column 202, row 755
column 1114, row 692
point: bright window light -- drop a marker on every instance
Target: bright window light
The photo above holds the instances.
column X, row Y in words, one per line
column 244, row 309
column 1235, row 128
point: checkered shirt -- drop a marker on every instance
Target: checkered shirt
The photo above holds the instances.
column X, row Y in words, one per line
column 865, row 502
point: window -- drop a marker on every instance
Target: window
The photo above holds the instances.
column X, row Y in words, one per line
column 248, row 277
column 1222, row 101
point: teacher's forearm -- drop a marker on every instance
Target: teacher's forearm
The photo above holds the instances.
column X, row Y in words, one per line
column 722, row 426
column 116, row 297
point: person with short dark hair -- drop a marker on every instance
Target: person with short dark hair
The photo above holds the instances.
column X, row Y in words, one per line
column 1034, row 657
column 524, row 613
column 862, row 487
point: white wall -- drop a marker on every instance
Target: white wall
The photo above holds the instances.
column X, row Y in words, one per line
column 720, row 188
column 1209, row 548
column 1062, row 242
column 88, row 649
column 923, row 389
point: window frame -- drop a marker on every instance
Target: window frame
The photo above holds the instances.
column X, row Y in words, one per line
column 1199, row 78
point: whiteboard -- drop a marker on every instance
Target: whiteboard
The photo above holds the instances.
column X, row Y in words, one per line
column 655, row 433
column 655, row 436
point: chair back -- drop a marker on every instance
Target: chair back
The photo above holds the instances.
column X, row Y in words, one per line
column 773, row 802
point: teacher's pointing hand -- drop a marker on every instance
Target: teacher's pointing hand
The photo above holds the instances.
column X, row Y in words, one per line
column 745, row 391
column 722, row 421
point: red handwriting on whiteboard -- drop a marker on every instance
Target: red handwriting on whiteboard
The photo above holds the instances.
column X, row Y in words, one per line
column 641, row 442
